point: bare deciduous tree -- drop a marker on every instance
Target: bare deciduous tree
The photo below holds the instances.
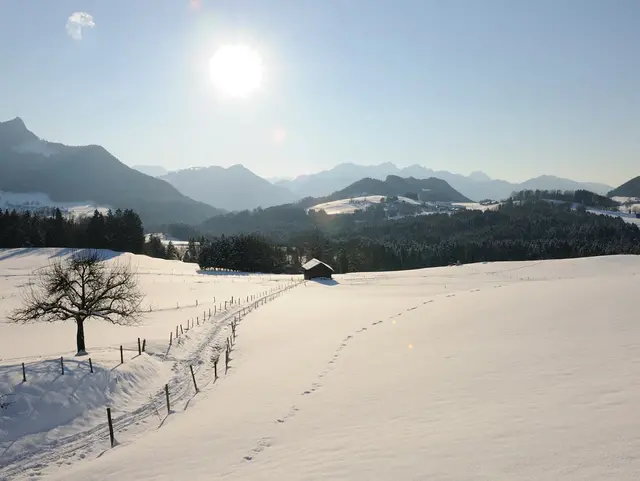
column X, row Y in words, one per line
column 81, row 287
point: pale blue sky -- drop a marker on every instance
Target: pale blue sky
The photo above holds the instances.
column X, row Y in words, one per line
column 512, row 87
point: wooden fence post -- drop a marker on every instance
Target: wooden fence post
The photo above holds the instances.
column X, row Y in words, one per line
column 176, row 332
column 171, row 338
column 193, row 376
column 90, row 366
column 166, row 392
column 144, row 345
column 121, row 355
column 226, row 360
column 215, row 369
column 61, row 365
column 24, row 373
column 111, row 436
column 181, row 330
column 139, row 348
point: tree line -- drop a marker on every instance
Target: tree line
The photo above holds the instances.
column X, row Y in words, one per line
column 581, row 196
column 523, row 228
column 120, row 231
column 516, row 231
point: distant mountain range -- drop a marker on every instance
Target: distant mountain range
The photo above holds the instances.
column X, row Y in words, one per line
column 431, row 189
column 89, row 173
column 234, row 188
column 477, row 186
column 237, row 188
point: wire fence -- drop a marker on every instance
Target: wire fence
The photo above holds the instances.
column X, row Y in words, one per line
column 203, row 365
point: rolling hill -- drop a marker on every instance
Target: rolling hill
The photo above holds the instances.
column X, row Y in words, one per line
column 89, row 173
column 630, row 188
column 430, row 190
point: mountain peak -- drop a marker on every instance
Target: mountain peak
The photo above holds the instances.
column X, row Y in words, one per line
column 16, row 122
column 15, row 132
column 479, row 176
column 238, row 168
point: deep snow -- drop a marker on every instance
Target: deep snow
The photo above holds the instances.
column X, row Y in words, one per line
column 522, row 370
column 57, row 418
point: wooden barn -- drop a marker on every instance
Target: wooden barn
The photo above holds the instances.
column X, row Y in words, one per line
column 317, row 269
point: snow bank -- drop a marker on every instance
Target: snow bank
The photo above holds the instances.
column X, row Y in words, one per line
column 501, row 371
column 50, row 399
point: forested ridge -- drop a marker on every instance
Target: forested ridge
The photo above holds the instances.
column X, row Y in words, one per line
column 529, row 230
column 523, row 229
column 121, row 230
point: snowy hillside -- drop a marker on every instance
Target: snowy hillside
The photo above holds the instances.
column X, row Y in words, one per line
column 349, row 206
column 478, row 206
column 38, row 202
column 501, row 371
column 54, row 411
column 629, row 217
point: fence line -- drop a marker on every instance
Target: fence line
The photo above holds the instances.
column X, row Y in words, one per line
column 251, row 302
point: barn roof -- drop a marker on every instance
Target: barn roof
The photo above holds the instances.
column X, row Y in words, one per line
column 314, row 262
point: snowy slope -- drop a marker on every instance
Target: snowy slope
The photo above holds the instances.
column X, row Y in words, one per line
column 37, row 201
column 501, row 371
column 477, row 206
column 349, row 206
column 625, row 216
column 56, row 416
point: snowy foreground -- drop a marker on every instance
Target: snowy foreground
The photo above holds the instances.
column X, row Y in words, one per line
column 55, row 419
column 495, row 371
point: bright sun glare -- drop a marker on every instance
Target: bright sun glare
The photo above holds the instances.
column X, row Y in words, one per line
column 236, row 70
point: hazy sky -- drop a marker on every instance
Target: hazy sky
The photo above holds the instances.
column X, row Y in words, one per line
column 515, row 88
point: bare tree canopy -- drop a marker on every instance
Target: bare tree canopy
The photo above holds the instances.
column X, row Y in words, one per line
column 80, row 287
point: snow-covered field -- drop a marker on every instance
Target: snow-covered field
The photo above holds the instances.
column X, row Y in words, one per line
column 57, row 418
column 349, row 206
column 625, row 216
column 624, row 200
column 36, row 201
column 165, row 239
column 477, row 206
column 501, row 371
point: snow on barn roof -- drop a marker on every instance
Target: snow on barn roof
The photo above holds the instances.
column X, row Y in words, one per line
column 314, row 262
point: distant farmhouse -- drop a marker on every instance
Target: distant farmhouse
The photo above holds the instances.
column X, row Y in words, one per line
column 317, row 269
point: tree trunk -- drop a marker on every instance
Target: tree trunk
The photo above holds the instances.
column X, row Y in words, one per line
column 80, row 336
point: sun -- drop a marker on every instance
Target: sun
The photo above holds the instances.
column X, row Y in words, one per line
column 236, row 71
